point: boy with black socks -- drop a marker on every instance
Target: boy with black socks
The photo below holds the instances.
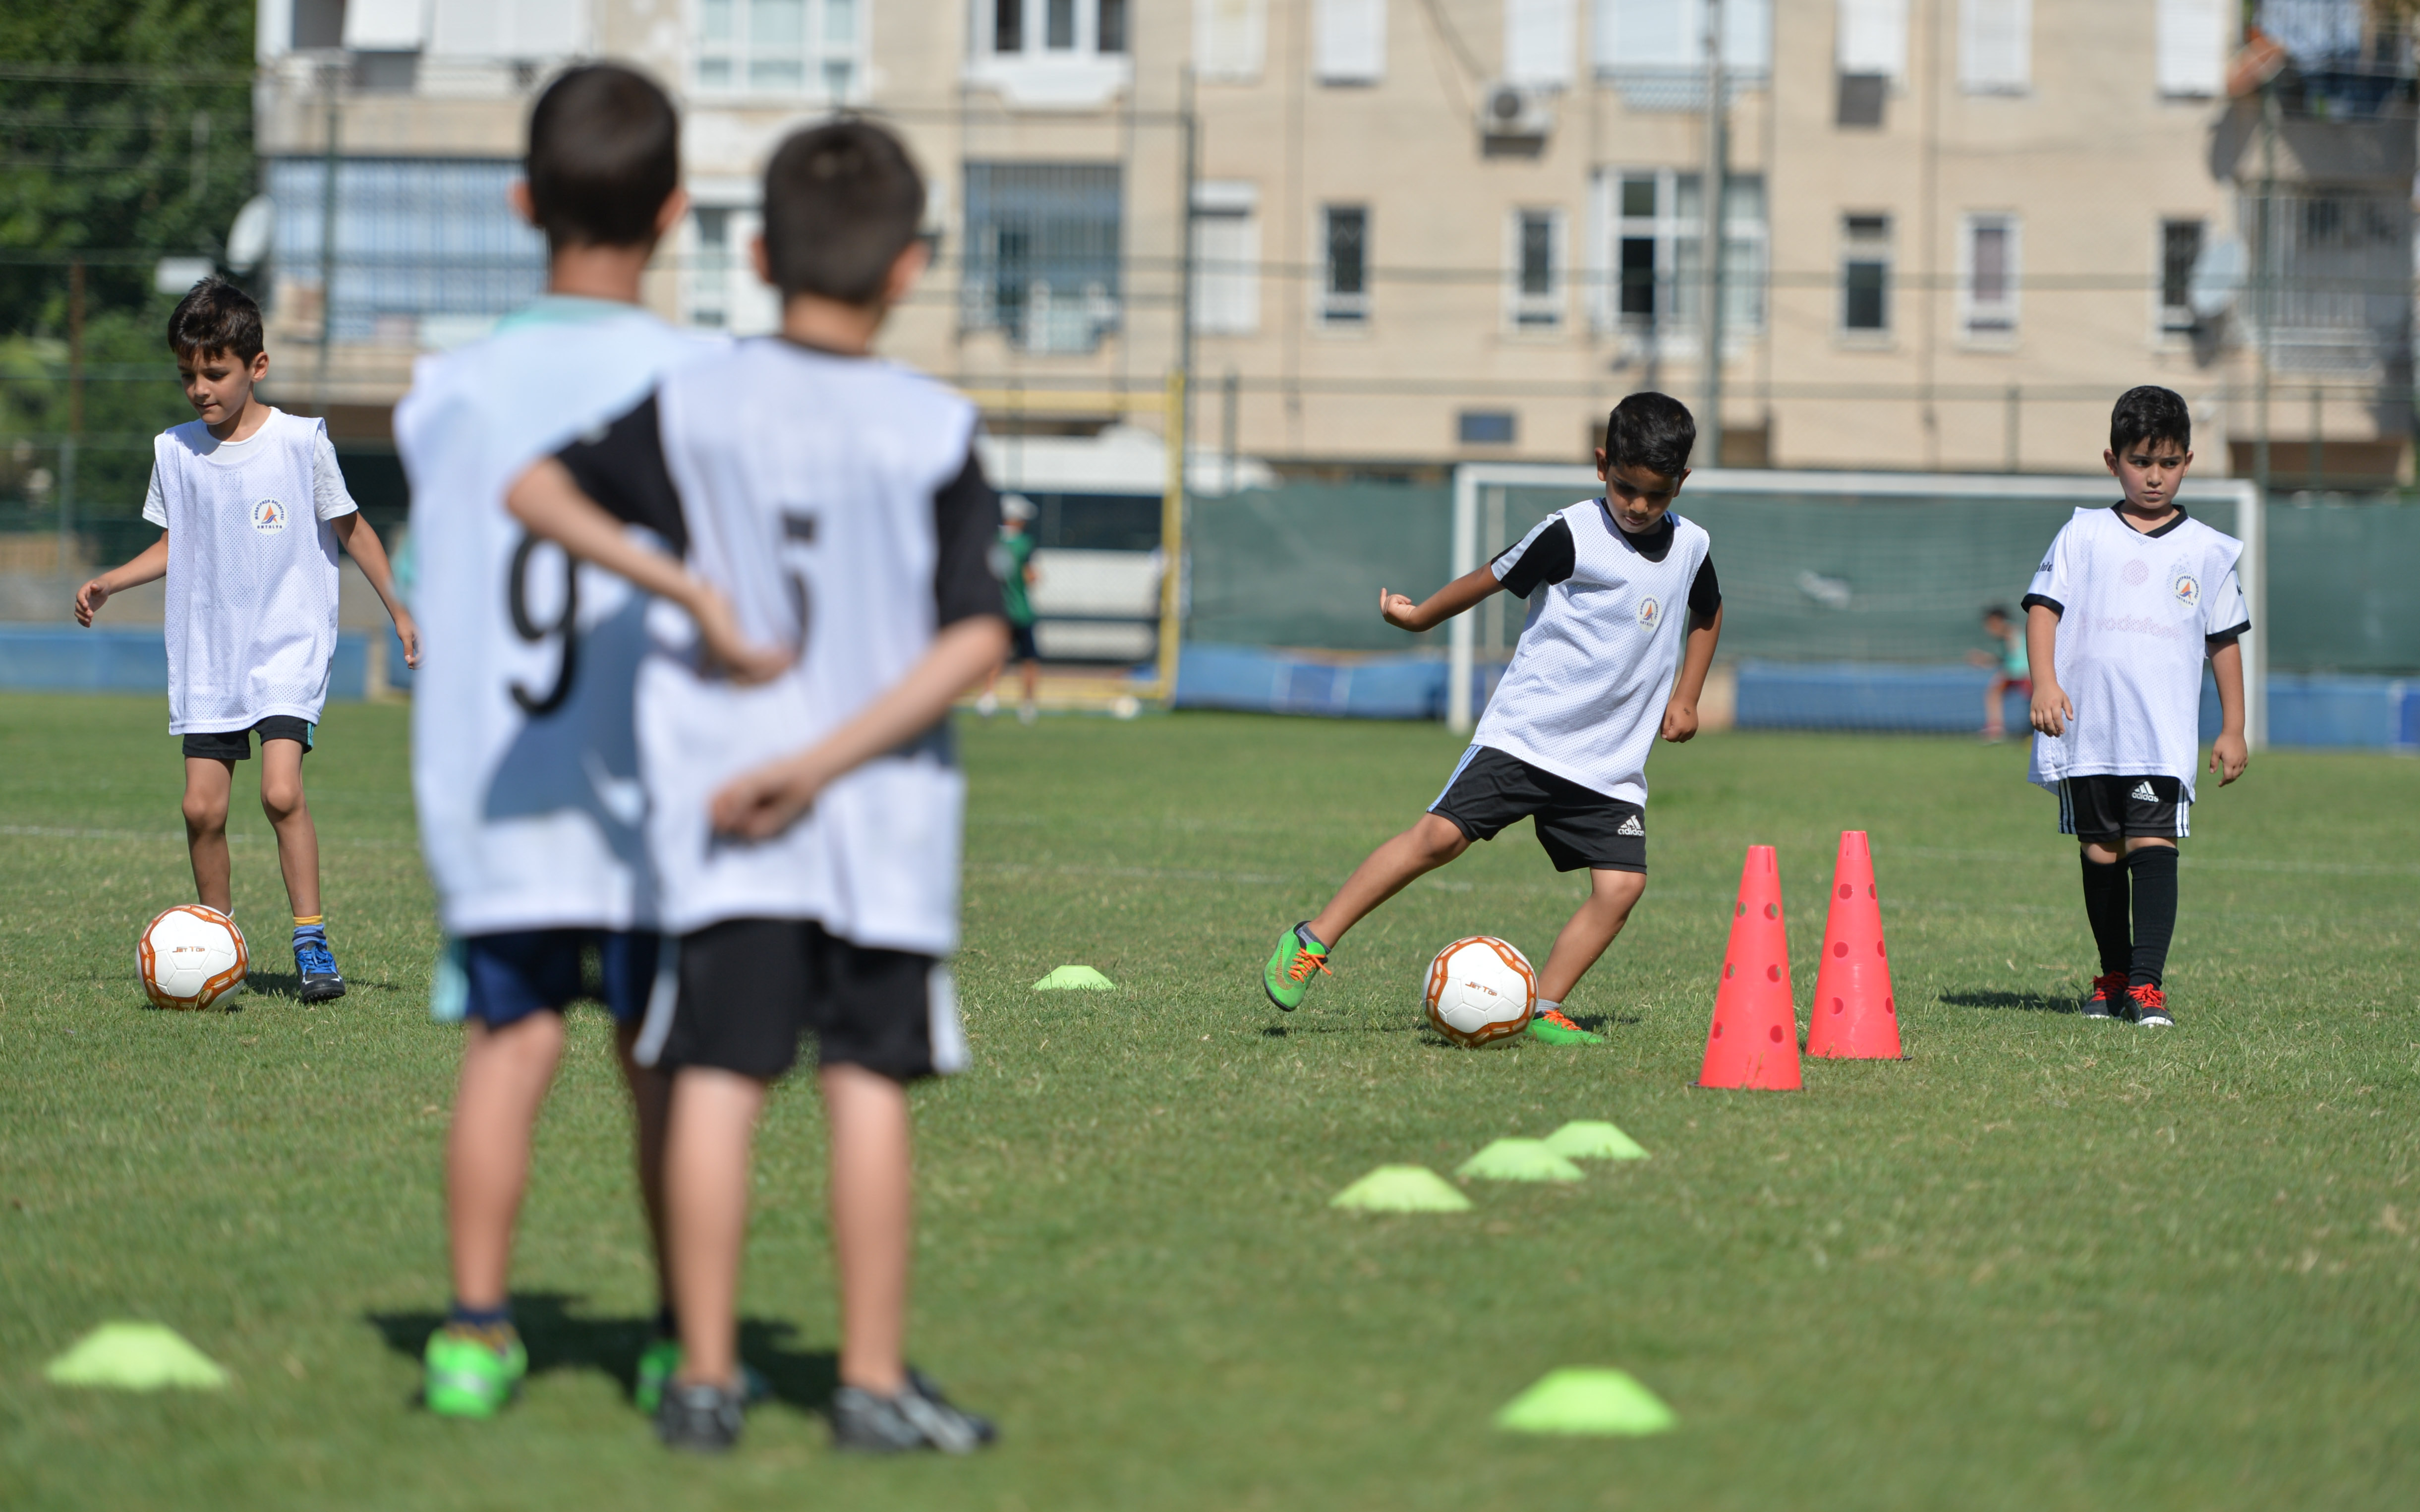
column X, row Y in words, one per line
column 2120, row 615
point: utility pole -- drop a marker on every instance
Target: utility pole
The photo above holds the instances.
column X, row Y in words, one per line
column 1709, row 417
column 2264, row 282
column 327, row 238
column 75, row 419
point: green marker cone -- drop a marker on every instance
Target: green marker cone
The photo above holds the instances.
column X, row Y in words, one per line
column 1080, row 978
column 1593, row 1139
column 1401, row 1189
column 1606, row 1402
column 134, row 1357
column 1519, row 1160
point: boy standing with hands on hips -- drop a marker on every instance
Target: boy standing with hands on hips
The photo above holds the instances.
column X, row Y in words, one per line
column 2129, row 601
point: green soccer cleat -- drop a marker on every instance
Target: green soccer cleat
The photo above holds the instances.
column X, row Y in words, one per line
column 470, row 1374
column 1287, row 976
column 1552, row 1027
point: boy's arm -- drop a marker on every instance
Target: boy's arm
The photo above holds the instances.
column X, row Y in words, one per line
column 1398, row 611
column 361, row 544
column 149, row 565
column 759, row 804
column 550, row 505
column 2052, row 708
column 2229, row 755
column 1681, row 709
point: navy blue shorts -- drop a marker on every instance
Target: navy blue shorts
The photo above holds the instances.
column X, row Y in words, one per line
column 513, row 976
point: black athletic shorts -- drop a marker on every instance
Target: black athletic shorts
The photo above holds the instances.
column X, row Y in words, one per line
column 750, row 988
column 2107, row 808
column 235, row 745
column 1578, row 826
column 1020, row 643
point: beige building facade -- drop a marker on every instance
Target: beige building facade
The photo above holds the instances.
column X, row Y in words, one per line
column 1384, row 236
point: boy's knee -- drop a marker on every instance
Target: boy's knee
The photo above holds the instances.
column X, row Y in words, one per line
column 204, row 814
column 1440, row 839
column 281, row 798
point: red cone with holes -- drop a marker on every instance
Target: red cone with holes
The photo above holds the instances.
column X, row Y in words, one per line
column 1754, row 1041
column 1854, row 1016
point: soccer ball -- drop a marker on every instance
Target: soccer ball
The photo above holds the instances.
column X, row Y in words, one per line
column 1480, row 988
column 190, row 957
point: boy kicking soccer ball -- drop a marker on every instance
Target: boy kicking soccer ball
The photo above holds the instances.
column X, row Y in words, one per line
column 2123, row 611
column 807, row 831
column 252, row 509
column 1564, row 741
column 524, row 753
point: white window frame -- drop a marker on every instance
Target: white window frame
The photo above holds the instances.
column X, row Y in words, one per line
column 1336, row 311
column 1677, row 323
column 1539, row 312
column 1637, row 39
column 1349, row 41
column 1229, row 40
column 1860, row 249
column 831, row 69
column 1995, row 46
column 1541, row 43
column 2174, row 322
column 1039, row 76
column 1871, row 37
column 1988, row 322
column 1225, row 277
column 2191, row 50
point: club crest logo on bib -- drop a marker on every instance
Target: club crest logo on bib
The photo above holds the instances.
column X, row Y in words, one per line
column 1651, row 613
column 2185, row 589
column 269, row 517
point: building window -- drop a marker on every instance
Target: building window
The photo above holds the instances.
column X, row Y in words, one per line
column 1870, row 55
column 2180, row 251
column 1540, row 42
column 1653, row 266
column 709, row 269
column 1536, row 265
column 428, row 251
column 1864, row 274
column 1344, row 265
column 2195, row 38
column 781, row 47
column 1033, row 27
column 1349, row 41
column 1485, row 427
column 1043, row 241
column 1995, row 46
column 1229, row 39
column 1988, row 277
column 1226, row 259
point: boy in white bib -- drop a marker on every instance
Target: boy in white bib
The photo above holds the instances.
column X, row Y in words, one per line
column 252, row 509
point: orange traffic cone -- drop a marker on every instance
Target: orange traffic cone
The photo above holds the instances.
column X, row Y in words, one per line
column 1754, row 1041
column 1854, row 1017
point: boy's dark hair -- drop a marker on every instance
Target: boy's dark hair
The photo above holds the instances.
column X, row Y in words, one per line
column 2149, row 412
column 1650, row 430
column 215, row 316
column 1999, row 611
column 842, row 201
column 604, row 155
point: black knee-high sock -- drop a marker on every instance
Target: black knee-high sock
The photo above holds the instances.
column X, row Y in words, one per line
column 2154, row 876
column 2104, row 905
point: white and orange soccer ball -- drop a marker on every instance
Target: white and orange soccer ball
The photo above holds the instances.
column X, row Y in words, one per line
column 1480, row 990
column 190, row 957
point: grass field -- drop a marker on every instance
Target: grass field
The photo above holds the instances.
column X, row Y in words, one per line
column 2042, row 1263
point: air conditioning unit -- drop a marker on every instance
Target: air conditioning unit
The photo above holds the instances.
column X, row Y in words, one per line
column 1507, row 111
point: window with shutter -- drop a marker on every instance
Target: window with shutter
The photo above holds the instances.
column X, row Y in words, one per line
column 1872, row 38
column 1349, row 41
column 1995, row 46
column 2194, row 42
column 1229, row 39
column 1538, row 42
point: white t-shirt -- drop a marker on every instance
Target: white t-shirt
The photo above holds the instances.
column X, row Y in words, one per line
column 2137, row 614
column 251, row 620
column 1609, row 613
column 531, row 815
column 837, row 502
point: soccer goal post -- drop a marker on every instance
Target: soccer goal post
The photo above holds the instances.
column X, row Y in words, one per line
column 1852, row 598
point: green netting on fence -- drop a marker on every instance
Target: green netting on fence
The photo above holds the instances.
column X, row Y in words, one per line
column 1828, row 578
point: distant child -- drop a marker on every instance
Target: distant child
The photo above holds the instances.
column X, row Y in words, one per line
column 252, row 509
column 807, row 831
column 1012, row 562
column 1565, row 739
column 2123, row 611
column 524, row 753
column 2010, row 673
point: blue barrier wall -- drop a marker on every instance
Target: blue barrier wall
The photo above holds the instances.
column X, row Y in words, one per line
column 68, row 659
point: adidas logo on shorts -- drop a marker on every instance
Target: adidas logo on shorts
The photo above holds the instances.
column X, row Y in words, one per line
column 2143, row 794
column 1631, row 826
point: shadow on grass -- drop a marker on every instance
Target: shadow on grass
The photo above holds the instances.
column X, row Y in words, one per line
column 2020, row 1002
column 560, row 1338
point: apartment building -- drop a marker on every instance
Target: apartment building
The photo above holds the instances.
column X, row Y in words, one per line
column 1392, row 234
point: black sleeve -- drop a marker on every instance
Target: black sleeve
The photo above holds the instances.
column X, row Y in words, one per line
column 1705, row 591
column 2228, row 636
column 622, row 467
column 966, row 521
column 2052, row 604
column 1549, row 560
